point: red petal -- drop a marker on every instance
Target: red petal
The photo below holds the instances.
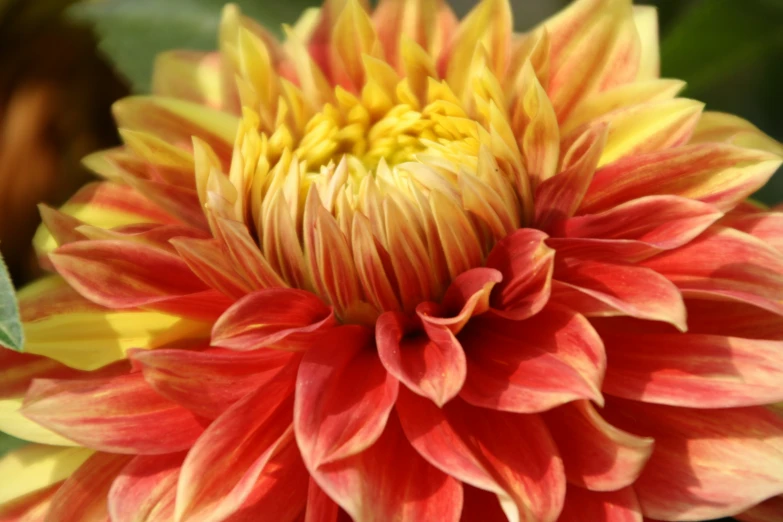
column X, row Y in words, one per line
column 526, row 265
column 83, row 497
column 768, row 511
column 509, row 454
column 207, row 260
column 534, row 365
column 320, row 508
column 145, row 488
column 766, row 226
column 619, row 290
column 256, row 434
column 208, row 382
column 732, row 318
column 206, row 306
column 285, row 316
column 246, row 255
column 19, row 369
column 615, row 506
column 389, row 482
column 719, row 174
column 697, row 371
column 121, row 274
column 30, row 508
column 430, row 363
column 601, row 457
column 707, row 463
column 117, row 414
column 728, row 264
column 344, row 396
column 467, row 296
column 664, row 222
column 481, row 506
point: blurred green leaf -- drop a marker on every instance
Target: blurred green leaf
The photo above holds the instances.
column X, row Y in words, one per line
column 11, row 334
column 715, row 39
column 9, row 443
column 132, row 32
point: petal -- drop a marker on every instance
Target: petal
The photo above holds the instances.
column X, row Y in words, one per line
column 119, row 414
column 511, row 455
column 208, row 382
column 532, row 366
column 144, row 490
column 247, row 258
column 481, row 505
column 18, row 369
column 766, row 226
column 602, row 457
column 768, row 511
column 29, row 508
column 696, row 371
column 732, row 318
column 664, row 222
column 725, row 264
column 253, row 431
column 320, row 508
column 82, row 498
column 344, row 397
column 728, row 128
column 35, row 467
column 718, row 174
column 645, row 18
column 189, row 75
column 467, row 296
column 17, row 425
column 525, row 262
column 121, row 274
column 389, row 482
column 209, row 262
column 707, row 463
column 430, row 363
column 623, row 289
column 613, row 506
column 285, row 316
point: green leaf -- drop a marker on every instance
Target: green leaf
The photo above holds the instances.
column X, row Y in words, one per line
column 11, row 334
column 715, row 39
column 133, row 32
column 9, row 443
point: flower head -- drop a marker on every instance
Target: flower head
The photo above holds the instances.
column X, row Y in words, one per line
column 404, row 267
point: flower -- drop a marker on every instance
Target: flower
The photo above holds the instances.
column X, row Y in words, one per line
column 404, row 267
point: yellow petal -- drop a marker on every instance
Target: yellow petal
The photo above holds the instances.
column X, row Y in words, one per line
column 35, row 467
column 17, row 425
column 189, row 75
column 646, row 19
column 727, row 128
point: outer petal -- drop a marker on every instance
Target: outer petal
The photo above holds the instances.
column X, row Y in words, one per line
column 706, row 464
column 144, row 489
column 645, row 18
column 389, row 482
column 509, row 454
column 30, row 508
column 696, row 371
column 212, row 487
column 726, row 264
column 36, row 467
column 766, row 226
column 285, row 316
column 320, row 508
column 82, row 498
column 208, row 382
column 121, row 274
column 118, row 414
column 534, row 365
column 525, row 262
column 601, row 457
column 613, row 506
column 189, row 75
column 727, row 128
column 732, row 318
column 344, row 397
column 622, row 289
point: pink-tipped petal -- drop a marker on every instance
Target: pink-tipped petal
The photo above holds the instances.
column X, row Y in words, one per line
column 121, row 414
column 525, row 263
column 707, row 463
column 344, row 397
column 144, row 490
column 287, row 317
column 510, row 454
column 602, row 457
column 389, row 482
column 534, row 365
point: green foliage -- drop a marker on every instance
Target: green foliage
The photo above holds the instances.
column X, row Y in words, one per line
column 132, row 32
column 11, row 333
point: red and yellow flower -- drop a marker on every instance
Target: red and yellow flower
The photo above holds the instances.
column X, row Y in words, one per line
column 406, row 267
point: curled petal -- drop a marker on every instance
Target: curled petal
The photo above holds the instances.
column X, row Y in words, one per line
column 119, row 414
column 532, row 366
column 525, row 262
column 467, row 296
column 602, row 457
column 372, row 485
column 611, row 506
column 511, row 455
column 144, row 490
column 344, row 397
column 82, row 498
column 707, row 463
column 284, row 316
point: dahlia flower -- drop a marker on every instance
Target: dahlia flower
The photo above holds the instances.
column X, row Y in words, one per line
column 405, row 267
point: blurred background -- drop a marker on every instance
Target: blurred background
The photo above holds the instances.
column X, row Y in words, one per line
column 63, row 63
